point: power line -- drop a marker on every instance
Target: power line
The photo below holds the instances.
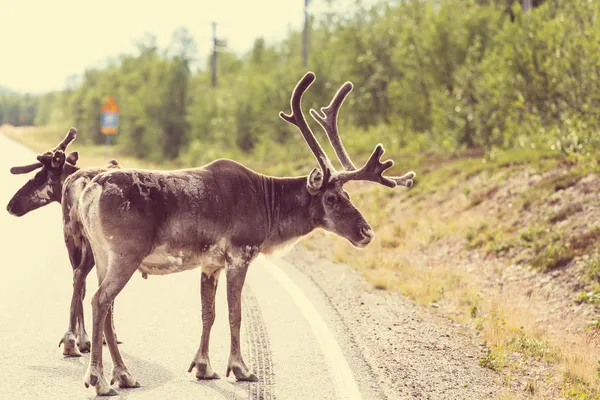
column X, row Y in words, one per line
column 217, row 43
column 214, row 56
column 305, row 36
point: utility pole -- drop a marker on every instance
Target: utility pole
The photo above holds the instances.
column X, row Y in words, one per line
column 527, row 5
column 214, row 56
column 305, row 36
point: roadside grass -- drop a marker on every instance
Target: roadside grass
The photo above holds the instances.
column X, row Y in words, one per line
column 592, row 268
column 268, row 157
column 40, row 139
column 445, row 204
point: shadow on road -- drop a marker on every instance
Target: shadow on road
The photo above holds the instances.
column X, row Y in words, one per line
column 227, row 389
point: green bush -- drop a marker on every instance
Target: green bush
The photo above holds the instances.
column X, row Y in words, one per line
column 429, row 76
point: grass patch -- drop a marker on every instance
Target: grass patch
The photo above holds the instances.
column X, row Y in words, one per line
column 558, row 254
column 530, row 235
column 482, row 196
column 561, row 182
column 531, row 346
column 585, row 241
column 577, row 388
column 491, row 361
column 592, row 268
column 565, row 212
column 592, row 297
column 446, row 170
column 478, row 236
column 552, row 257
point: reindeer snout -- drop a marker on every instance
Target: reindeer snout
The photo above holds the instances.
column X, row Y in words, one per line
column 10, row 206
column 367, row 233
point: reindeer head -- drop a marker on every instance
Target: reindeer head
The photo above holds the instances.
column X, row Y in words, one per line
column 336, row 212
column 46, row 186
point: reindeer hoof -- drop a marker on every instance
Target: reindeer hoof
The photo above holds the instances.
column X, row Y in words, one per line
column 69, row 347
column 124, row 378
column 242, row 374
column 83, row 343
column 248, row 378
column 203, row 371
column 94, row 377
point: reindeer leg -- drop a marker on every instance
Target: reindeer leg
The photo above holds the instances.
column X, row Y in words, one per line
column 120, row 373
column 208, row 289
column 112, row 279
column 236, row 275
column 83, row 340
column 68, row 341
column 112, row 322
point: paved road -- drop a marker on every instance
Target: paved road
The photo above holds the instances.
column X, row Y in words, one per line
column 292, row 338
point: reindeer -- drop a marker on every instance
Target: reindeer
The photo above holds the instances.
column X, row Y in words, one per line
column 59, row 180
column 219, row 217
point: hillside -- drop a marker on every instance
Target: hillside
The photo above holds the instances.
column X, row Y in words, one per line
column 507, row 245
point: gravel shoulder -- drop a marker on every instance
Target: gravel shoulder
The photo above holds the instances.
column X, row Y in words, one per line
column 413, row 353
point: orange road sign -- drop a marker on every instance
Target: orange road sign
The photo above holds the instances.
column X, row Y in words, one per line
column 109, row 117
column 110, row 105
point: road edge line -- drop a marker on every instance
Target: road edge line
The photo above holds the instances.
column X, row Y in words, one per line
column 344, row 381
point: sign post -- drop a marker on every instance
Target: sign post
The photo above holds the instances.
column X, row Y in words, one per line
column 109, row 120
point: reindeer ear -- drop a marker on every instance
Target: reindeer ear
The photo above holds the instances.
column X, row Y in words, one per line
column 113, row 164
column 314, row 181
column 72, row 158
column 45, row 158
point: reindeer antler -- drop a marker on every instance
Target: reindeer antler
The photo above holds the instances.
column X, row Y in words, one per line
column 54, row 157
column 373, row 168
column 297, row 118
column 67, row 140
column 25, row 168
column 329, row 124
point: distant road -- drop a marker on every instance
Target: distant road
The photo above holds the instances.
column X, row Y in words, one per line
column 286, row 342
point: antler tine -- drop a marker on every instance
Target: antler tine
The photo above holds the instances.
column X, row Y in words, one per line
column 68, row 139
column 25, row 168
column 404, row 180
column 372, row 170
column 297, row 118
column 329, row 123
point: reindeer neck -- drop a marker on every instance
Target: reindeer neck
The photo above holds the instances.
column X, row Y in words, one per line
column 68, row 170
column 289, row 208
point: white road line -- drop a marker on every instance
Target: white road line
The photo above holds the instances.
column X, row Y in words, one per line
column 344, row 382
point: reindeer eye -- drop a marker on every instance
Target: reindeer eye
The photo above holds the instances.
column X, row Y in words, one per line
column 331, row 199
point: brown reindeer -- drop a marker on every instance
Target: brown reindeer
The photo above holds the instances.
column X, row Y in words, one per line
column 59, row 180
column 219, row 217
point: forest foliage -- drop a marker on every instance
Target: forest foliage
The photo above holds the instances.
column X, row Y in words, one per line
column 428, row 76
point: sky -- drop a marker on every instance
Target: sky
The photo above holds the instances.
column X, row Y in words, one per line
column 42, row 42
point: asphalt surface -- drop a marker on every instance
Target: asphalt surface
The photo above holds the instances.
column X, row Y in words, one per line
column 291, row 336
